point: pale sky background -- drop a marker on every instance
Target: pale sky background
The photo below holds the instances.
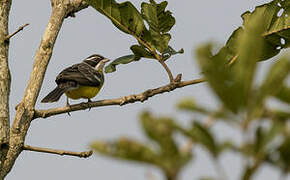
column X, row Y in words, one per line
column 196, row 22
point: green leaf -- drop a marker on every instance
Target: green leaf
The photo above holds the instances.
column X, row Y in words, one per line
column 284, row 94
column 275, row 77
column 159, row 21
column 140, row 51
column 121, row 60
column 284, row 154
column 200, row 134
column 249, row 48
column 264, row 137
column 273, row 82
column 160, row 130
column 125, row 17
column 188, row 104
column 169, row 51
column 126, row 149
column 280, row 115
column 220, row 77
column 275, row 29
column 157, row 18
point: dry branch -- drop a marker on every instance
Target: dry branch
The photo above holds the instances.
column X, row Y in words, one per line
column 118, row 101
column 84, row 154
column 17, row 31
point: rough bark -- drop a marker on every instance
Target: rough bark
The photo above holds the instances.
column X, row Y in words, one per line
column 25, row 110
column 4, row 80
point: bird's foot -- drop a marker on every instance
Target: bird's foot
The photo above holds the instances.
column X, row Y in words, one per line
column 69, row 106
column 89, row 100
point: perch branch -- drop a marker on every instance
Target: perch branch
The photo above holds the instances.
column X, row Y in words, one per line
column 84, row 154
column 17, row 31
column 118, row 101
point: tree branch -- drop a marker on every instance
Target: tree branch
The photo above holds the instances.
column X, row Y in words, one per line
column 118, row 101
column 5, row 81
column 84, row 154
column 25, row 110
column 17, row 31
column 75, row 7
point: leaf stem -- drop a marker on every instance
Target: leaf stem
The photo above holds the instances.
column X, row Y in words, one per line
column 167, row 70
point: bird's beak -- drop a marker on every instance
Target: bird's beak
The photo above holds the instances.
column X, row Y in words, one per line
column 106, row 60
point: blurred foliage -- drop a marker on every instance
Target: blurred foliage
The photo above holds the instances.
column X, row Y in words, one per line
column 274, row 31
column 231, row 75
column 153, row 41
column 165, row 154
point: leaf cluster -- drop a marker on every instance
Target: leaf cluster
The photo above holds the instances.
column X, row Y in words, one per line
column 153, row 40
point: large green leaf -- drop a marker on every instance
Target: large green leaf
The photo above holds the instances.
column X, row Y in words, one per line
column 125, row 17
column 273, row 82
column 249, row 48
column 220, row 77
column 159, row 21
column 157, row 18
column 275, row 34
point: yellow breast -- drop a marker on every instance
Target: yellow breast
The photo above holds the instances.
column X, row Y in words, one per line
column 86, row 92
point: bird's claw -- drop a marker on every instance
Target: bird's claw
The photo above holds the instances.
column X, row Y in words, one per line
column 89, row 100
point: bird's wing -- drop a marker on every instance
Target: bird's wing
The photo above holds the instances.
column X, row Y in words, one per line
column 90, row 73
column 81, row 73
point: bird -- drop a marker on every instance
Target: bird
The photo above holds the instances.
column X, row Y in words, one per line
column 82, row 80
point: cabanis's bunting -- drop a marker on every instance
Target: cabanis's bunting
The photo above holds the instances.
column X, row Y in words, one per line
column 83, row 80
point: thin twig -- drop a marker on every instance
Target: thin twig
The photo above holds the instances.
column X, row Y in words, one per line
column 167, row 70
column 17, row 31
column 117, row 101
column 84, row 154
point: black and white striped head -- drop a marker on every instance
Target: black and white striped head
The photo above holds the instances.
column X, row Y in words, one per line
column 96, row 61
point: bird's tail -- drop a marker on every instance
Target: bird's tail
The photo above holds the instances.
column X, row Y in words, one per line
column 54, row 95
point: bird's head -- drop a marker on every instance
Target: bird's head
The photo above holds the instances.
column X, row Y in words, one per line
column 96, row 61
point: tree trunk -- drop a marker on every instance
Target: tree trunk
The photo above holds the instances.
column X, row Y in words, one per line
column 25, row 110
column 4, row 81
